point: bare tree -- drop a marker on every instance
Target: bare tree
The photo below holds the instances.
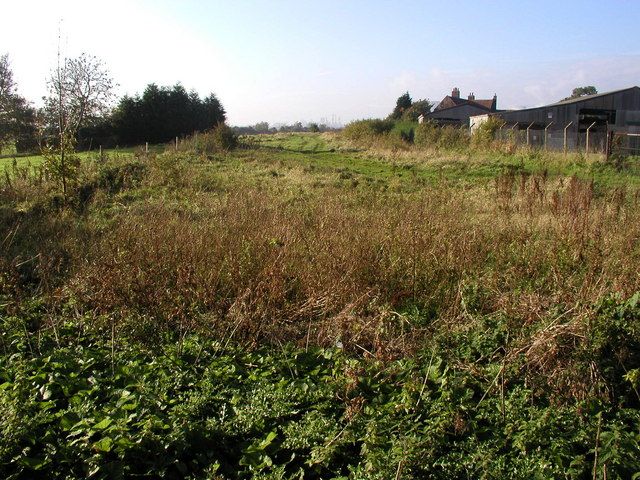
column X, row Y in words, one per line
column 80, row 91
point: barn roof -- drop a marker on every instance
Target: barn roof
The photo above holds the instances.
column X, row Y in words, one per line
column 574, row 100
column 589, row 97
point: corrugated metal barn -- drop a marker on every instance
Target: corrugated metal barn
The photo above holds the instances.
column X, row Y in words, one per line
column 620, row 110
column 617, row 111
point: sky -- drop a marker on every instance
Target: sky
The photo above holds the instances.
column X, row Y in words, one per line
column 286, row 61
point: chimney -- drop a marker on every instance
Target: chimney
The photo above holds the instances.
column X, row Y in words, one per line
column 455, row 93
column 471, row 96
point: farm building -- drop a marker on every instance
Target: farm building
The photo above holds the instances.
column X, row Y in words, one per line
column 453, row 110
column 570, row 123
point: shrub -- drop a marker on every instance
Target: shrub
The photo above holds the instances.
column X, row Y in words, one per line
column 453, row 138
column 221, row 139
column 224, row 138
column 404, row 130
column 484, row 136
column 427, row 135
column 367, row 129
column 430, row 135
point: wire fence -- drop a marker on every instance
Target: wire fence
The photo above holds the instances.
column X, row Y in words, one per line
column 625, row 144
column 568, row 141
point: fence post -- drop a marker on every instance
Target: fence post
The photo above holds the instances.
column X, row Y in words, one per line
column 587, row 144
column 100, row 152
column 565, row 137
column 146, row 148
column 500, row 135
column 513, row 136
column 545, row 135
column 530, row 125
column 176, row 144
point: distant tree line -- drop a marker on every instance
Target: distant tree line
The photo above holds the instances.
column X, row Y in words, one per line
column 264, row 127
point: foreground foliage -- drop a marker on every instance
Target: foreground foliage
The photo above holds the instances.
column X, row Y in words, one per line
column 74, row 405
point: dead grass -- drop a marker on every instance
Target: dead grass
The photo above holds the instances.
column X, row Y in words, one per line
column 332, row 266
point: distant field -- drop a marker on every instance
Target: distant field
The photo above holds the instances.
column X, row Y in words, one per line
column 327, row 152
column 298, row 142
column 36, row 160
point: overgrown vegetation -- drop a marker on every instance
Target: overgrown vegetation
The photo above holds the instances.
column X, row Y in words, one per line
column 282, row 311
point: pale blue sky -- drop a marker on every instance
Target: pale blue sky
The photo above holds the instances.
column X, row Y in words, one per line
column 283, row 61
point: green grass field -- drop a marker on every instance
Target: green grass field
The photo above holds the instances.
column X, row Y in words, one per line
column 37, row 160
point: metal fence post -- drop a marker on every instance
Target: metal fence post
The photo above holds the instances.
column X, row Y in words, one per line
column 545, row 134
column 515, row 139
column 587, row 144
column 565, row 137
column 530, row 125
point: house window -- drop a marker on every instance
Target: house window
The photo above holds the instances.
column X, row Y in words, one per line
column 549, row 115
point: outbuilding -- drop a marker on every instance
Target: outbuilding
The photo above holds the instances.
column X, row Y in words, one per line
column 570, row 123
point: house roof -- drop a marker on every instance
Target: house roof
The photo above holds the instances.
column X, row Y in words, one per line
column 485, row 103
column 451, row 102
column 466, row 103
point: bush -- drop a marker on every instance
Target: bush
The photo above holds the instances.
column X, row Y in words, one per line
column 367, row 129
column 430, row 135
column 221, row 139
column 453, row 138
column 427, row 135
column 404, row 130
column 485, row 134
